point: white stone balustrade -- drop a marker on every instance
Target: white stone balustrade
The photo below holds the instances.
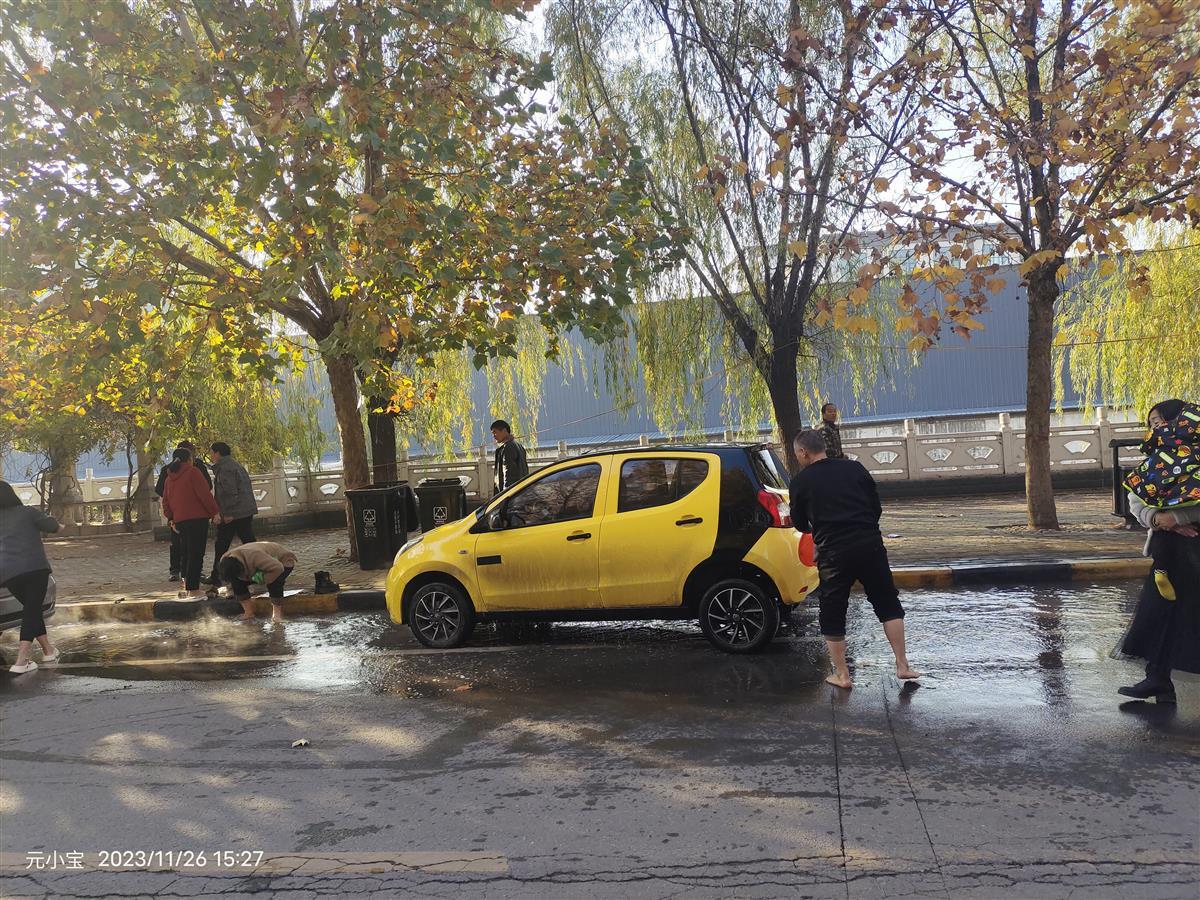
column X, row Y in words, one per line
column 911, row 450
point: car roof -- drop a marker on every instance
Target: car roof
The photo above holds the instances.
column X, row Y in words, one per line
column 710, row 447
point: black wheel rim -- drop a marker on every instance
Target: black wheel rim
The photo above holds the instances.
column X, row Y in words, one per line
column 437, row 616
column 737, row 617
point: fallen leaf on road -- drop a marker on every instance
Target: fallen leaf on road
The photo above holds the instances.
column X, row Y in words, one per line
column 464, row 687
column 300, row 743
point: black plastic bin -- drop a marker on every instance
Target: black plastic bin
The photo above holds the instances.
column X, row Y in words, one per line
column 1120, row 497
column 383, row 516
column 441, row 500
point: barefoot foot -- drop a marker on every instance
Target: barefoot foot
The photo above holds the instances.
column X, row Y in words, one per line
column 842, row 681
column 906, row 672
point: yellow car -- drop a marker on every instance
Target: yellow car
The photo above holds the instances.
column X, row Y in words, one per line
column 689, row 532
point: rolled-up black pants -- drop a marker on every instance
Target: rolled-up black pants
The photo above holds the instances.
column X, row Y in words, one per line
column 30, row 591
column 243, row 529
column 840, row 567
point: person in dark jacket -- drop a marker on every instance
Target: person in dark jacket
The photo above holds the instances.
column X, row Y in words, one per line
column 25, row 572
column 188, row 505
column 235, row 498
column 836, row 500
column 511, row 464
column 831, row 432
column 176, row 544
column 1165, row 630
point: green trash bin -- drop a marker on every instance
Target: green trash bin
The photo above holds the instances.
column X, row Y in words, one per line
column 440, row 500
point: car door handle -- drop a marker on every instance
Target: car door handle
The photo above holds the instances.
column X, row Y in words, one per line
column 579, row 536
column 689, row 520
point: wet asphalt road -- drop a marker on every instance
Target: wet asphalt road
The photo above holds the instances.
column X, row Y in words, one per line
column 606, row 761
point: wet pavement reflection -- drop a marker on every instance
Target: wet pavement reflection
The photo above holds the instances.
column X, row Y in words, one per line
column 1041, row 645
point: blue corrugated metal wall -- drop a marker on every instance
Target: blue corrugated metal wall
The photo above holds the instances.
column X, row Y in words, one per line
column 986, row 374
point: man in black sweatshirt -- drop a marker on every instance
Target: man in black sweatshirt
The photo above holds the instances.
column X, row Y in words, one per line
column 837, row 501
column 511, row 464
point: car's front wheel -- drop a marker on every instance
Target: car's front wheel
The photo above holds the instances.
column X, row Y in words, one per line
column 440, row 615
column 738, row 616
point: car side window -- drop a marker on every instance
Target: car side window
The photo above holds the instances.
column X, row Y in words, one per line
column 558, row 497
column 646, row 483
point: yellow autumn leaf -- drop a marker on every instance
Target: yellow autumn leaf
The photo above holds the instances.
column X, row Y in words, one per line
column 798, row 248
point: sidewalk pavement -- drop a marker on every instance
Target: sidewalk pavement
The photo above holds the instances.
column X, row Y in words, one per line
column 958, row 531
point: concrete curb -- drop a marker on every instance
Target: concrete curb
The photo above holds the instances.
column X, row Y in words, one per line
column 186, row 610
column 966, row 574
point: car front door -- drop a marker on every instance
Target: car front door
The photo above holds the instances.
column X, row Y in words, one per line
column 660, row 523
column 546, row 557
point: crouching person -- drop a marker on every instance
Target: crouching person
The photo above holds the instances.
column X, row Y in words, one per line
column 259, row 562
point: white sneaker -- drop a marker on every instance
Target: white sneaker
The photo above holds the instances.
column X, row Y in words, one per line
column 51, row 657
column 21, row 670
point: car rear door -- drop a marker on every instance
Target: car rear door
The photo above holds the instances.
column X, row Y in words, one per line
column 659, row 524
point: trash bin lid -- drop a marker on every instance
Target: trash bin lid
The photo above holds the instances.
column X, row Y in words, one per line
column 440, row 482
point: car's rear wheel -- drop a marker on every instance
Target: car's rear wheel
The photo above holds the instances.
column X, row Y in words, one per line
column 738, row 616
column 440, row 615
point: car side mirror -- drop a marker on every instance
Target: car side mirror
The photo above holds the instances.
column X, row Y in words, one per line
column 496, row 520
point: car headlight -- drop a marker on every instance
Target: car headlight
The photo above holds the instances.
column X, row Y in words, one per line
column 408, row 545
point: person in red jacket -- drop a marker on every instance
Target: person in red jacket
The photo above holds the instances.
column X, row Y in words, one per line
column 188, row 505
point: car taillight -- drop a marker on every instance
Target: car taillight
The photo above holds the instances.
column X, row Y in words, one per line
column 777, row 508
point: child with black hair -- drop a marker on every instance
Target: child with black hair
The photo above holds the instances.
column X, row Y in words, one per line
column 259, row 562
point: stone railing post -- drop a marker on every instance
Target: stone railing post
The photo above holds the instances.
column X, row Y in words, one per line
column 643, row 441
column 1008, row 446
column 483, row 473
column 402, row 465
column 912, row 464
column 1104, row 434
column 277, row 494
column 562, row 449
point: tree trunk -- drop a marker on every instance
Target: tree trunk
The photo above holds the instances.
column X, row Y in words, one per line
column 382, row 426
column 142, row 501
column 783, row 386
column 1039, row 492
column 343, row 385
column 63, row 494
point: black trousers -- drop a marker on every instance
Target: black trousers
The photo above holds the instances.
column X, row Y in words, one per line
column 866, row 563
column 176, row 552
column 30, row 591
column 243, row 529
column 241, row 589
column 193, row 540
